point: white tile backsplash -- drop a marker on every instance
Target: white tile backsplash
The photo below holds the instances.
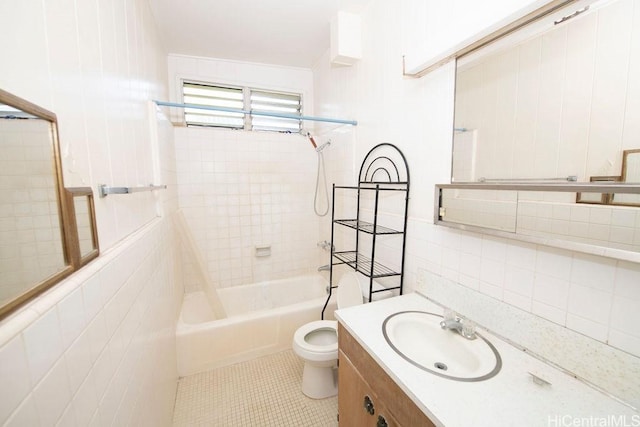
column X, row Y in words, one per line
column 517, row 300
column 492, row 272
column 594, row 330
column 554, row 262
column 625, row 316
column 627, row 280
column 519, row 280
column 551, row 291
column 590, row 303
column 549, row 312
column 623, row 341
column 594, row 272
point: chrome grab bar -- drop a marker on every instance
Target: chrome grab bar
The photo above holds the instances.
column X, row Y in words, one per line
column 570, row 178
column 104, row 190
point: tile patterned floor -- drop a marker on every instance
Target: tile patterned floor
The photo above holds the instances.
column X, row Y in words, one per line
column 260, row 392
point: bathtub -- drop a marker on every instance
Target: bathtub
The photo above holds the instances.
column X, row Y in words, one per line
column 261, row 319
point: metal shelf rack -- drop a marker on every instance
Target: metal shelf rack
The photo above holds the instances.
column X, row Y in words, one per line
column 383, row 169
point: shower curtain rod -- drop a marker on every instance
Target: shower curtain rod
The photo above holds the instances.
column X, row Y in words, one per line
column 258, row 113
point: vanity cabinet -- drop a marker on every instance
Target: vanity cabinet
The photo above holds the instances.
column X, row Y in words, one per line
column 367, row 396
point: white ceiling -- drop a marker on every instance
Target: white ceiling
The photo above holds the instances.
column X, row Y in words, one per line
column 283, row 32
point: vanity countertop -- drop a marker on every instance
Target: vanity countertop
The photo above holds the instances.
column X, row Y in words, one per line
column 509, row 398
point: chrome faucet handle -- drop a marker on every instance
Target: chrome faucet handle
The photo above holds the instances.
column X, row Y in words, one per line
column 449, row 315
column 465, row 327
column 468, row 329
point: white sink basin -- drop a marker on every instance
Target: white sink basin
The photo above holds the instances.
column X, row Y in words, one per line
column 419, row 339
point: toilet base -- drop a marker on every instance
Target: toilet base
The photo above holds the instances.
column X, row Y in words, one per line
column 320, row 382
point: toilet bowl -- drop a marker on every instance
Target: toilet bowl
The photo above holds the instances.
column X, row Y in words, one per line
column 317, row 344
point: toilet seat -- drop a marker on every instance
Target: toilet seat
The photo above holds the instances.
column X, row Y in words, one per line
column 315, row 352
column 349, row 294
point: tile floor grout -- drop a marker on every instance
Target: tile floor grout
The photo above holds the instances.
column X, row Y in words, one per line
column 259, row 392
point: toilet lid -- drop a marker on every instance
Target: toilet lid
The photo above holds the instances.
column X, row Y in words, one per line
column 349, row 292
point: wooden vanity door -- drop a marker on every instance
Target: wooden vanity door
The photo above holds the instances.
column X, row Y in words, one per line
column 354, row 410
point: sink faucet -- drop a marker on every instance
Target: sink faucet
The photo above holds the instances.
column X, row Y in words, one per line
column 464, row 327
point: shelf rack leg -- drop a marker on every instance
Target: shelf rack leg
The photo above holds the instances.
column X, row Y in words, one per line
column 331, row 250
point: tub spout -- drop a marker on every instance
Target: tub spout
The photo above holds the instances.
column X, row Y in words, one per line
column 324, row 267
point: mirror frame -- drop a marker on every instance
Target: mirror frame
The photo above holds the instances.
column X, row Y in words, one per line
column 66, row 212
column 78, row 259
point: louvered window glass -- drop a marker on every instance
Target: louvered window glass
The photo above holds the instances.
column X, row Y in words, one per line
column 256, row 100
column 278, row 103
column 213, row 96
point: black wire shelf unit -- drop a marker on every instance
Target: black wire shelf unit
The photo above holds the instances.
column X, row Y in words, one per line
column 383, row 169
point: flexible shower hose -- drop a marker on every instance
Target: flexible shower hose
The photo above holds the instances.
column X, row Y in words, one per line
column 326, row 192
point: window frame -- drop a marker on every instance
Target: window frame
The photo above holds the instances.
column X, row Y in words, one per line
column 248, row 117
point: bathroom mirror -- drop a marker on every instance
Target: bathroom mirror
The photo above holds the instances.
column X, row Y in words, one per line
column 547, row 107
column 81, row 208
column 559, row 104
column 39, row 243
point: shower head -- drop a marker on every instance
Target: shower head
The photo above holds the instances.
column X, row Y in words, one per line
column 323, row 146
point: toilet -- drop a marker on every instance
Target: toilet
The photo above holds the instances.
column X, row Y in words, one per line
column 317, row 344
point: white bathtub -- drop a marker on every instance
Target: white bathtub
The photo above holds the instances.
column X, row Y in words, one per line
column 262, row 318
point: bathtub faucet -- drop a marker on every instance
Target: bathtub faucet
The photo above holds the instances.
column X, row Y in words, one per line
column 324, row 267
column 324, row 245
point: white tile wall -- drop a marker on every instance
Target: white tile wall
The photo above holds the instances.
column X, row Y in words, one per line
column 96, row 65
column 239, row 190
column 98, row 348
column 73, row 367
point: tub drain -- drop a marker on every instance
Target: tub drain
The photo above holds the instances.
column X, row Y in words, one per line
column 441, row 366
